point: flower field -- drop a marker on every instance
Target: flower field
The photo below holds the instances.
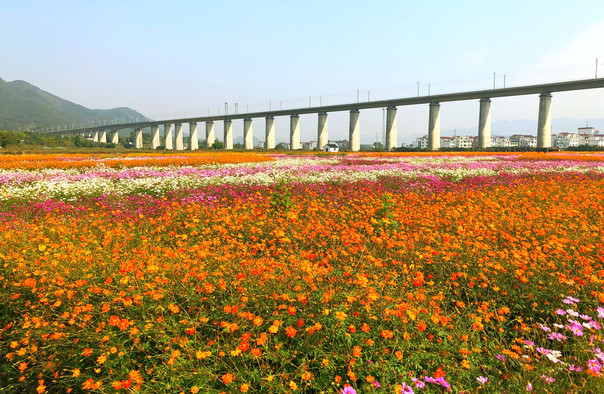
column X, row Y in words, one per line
column 249, row 272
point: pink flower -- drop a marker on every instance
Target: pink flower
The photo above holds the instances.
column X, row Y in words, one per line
column 349, row 390
column 418, row 383
column 406, row 389
column 482, row 379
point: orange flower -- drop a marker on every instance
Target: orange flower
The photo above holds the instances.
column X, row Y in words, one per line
column 421, row 326
column 227, row 378
column 356, row 351
column 290, row 331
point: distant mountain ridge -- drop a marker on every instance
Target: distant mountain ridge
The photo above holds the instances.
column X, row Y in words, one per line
column 24, row 106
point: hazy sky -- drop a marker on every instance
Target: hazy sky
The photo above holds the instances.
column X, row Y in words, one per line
column 171, row 59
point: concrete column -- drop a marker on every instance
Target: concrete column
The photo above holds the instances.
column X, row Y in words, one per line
column 115, row 137
column 209, row 134
column 391, row 129
column 193, row 136
column 169, row 138
column 103, row 136
column 484, row 124
column 270, row 132
column 138, row 139
column 178, row 137
column 294, row 132
column 248, row 134
column 354, row 131
column 228, row 134
column 95, row 136
column 322, row 136
column 434, row 127
column 544, row 127
column 154, row 137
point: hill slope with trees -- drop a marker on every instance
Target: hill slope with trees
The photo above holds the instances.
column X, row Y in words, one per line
column 24, row 106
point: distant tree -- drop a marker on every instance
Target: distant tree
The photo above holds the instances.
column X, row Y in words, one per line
column 218, row 145
column 9, row 138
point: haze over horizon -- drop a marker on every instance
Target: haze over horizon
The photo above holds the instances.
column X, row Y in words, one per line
column 183, row 59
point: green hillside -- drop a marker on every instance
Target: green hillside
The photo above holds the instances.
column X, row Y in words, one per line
column 24, row 106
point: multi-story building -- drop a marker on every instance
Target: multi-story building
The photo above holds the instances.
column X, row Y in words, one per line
column 447, row 142
column 523, row 141
column 565, row 140
column 464, row 141
column 420, row 142
column 500, row 142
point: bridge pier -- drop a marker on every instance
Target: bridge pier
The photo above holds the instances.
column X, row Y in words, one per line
column 209, row 134
column 248, row 134
column 391, row 129
column 484, row 124
column 193, row 136
column 115, row 137
column 354, row 131
column 228, row 134
column 178, row 134
column 103, row 136
column 169, row 139
column 322, row 136
column 294, row 132
column 544, row 127
column 154, row 137
column 434, row 127
column 270, row 132
column 95, row 136
column 138, row 139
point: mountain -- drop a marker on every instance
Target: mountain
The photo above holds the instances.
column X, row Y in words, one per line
column 24, row 106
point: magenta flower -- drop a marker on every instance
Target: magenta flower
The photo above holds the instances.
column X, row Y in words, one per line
column 577, row 329
column 418, row 383
column 406, row 389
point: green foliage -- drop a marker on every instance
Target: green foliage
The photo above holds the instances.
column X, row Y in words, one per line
column 281, row 199
column 384, row 217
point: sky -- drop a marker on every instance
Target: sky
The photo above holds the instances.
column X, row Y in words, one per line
column 169, row 59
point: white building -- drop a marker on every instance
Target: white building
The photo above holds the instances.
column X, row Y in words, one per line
column 331, row 147
column 311, row 145
column 420, row 142
column 500, row 142
column 565, row 140
column 464, row 141
column 523, row 141
column 447, row 142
